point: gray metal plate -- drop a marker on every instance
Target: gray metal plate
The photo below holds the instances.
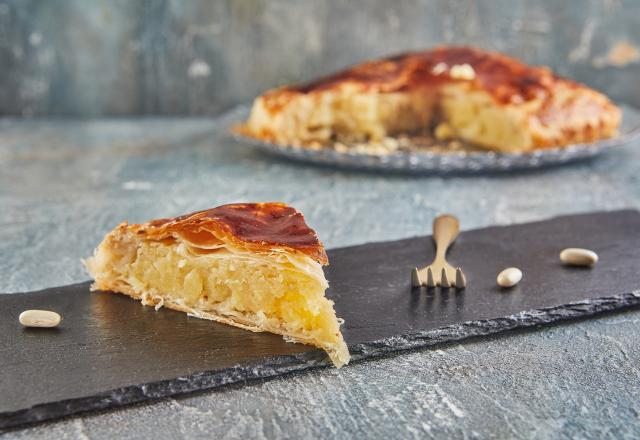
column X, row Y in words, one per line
column 429, row 162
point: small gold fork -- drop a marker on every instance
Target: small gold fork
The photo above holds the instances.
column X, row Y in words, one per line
column 440, row 273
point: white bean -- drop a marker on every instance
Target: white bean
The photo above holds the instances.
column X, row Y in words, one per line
column 39, row 318
column 578, row 257
column 509, row 277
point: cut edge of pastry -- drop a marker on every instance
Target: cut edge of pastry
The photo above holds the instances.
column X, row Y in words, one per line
column 263, row 287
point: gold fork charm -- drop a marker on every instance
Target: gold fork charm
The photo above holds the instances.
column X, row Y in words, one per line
column 440, row 272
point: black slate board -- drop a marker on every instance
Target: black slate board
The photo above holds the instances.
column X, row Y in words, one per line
column 111, row 351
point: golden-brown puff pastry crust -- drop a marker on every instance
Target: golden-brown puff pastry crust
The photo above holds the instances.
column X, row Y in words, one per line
column 257, row 227
column 547, row 109
column 505, row 78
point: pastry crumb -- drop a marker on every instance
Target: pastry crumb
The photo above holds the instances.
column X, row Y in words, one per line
column 462, row 71
column 439, row 69
column 444, row 131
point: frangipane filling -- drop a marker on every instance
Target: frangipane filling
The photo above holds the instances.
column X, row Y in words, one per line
column 276, row 292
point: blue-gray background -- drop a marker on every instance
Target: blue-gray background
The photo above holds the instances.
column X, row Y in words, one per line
column 90, row 58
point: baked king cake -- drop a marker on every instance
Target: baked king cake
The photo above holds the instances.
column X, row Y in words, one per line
column 486, row 98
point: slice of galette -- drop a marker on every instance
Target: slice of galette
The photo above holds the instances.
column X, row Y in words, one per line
column 257, row 266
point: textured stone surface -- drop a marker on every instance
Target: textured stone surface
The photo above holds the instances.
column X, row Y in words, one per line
column 120, row 57
column 63, row 184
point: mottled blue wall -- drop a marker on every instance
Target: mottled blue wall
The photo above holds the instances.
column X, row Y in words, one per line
column 184, row 57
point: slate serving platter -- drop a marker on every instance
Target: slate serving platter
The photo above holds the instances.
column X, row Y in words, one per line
column 111, row 351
